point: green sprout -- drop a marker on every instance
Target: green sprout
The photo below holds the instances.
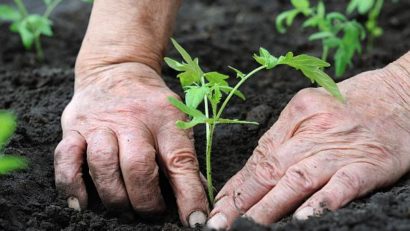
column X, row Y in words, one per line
column 372, row 8
column 7, row 127
column 30, row 27
column 334, row 30
column 208, row 89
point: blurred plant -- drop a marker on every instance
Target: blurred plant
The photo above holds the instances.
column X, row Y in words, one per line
column 334, row 30
column 7, row 126
column 207, row 88
column 372, row 8
column 30, row 27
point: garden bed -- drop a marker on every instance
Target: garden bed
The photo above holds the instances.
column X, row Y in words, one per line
column 221, row 33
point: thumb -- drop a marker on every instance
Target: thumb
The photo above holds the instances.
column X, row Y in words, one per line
column 178, row 157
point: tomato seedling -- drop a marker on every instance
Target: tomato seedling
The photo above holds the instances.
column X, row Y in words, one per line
column 30, row 27
column 334, row 30
column 208, row 88
column 372, row 8
column 7, row 126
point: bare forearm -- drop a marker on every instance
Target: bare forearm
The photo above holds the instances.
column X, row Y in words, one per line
column 123, row 31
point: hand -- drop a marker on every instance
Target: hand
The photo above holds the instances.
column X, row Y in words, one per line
column 321, row 153
column 120, row 122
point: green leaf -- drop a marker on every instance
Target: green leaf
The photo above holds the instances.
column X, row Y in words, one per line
column 174, row 64
column 311, row 22
column 186, row 125
column 239, row 74
column 11, row 163
column 320, row 35
column 185, row 109
column 182, row 51
column 8, row 13
column 300, row 4
column 228, row 89
column 27, row 37
column 195, row 95
column 336, row 16
column 7, row 127
column 285, row 17
column 39, row 25
column 362, row 6
column 265, row 58
column 190, row 71
column 216, row 78
column 311, row 67
column 321, row 10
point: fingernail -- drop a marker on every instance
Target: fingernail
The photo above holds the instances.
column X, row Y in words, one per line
column 73, row 203
column 217, row 222
column 304, row 213
column 196, row 218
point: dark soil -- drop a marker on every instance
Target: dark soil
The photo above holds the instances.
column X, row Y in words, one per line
column 221, row 33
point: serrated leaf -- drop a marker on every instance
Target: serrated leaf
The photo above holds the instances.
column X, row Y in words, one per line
column 195, row 95
column 311, row 67
column 185, row 109
column 265, row 58
column 190, row 71
column 216, row 78
column 10, row 163
column 8, row 13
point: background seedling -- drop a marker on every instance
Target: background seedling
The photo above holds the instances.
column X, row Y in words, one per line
column 334, row 30
column 372, row 8
column 30, row 27
column 208, row 89
column 7, row 126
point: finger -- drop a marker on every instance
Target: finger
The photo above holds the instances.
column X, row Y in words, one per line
column 300, row 181
column 179, row 160
column 68, row 162
column 103, row 163
column 345, row 185
column 261, row 173
column 140, row 171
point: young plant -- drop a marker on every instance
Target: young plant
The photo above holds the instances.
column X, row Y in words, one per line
column 7, row 126
column 334, row 30
column 208, row 89
column 30, row 27
column 372, row 8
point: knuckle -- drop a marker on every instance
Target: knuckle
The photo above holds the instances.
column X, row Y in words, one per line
column 181, row 161
column 349, row 181
column 303, row 100
column 298, row 179
column 267, row 173
column 140, row 164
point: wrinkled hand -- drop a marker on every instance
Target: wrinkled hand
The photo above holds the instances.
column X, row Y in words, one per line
column 321, row 153
column 120, row 122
